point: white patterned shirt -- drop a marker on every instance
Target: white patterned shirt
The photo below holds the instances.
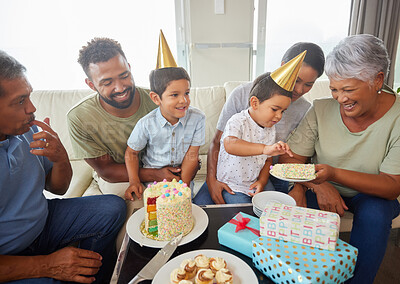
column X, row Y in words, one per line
column 240, row 172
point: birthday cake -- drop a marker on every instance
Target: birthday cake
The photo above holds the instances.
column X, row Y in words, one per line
column 168, row 210
column 294, row 171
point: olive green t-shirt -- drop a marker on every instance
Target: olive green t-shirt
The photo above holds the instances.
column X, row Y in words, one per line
column 323, row 136
column 94, row 132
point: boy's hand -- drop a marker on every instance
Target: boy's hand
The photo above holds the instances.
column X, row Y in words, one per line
column 257, row 187
column 277, row 148
column 135, row 187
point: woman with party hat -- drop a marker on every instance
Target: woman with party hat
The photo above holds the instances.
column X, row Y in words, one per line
column 248, row 142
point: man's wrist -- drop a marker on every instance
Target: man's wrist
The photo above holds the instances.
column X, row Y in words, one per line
column 301, row 186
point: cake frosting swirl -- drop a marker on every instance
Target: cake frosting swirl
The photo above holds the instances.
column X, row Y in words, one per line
column 223, row 276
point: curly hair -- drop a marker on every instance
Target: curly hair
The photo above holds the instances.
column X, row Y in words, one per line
column 98, row 50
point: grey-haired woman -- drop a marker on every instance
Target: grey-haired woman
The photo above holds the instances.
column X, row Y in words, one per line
column 354, row 140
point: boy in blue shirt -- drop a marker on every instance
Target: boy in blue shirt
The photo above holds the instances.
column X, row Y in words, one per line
column 170, row 135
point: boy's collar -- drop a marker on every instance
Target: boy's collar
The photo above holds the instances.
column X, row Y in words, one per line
column 163, row 121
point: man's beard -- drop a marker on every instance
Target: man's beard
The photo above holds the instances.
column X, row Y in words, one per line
column 120, row 105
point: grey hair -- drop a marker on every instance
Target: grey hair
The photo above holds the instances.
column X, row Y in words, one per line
column 10, row 68
column 359, row 57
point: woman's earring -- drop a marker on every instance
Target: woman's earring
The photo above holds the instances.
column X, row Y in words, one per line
column 379, row 92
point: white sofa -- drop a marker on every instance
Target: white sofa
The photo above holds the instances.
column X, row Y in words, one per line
column 56, row 103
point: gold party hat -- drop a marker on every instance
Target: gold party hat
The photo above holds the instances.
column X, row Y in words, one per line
column 167, row 59
column 286, row 75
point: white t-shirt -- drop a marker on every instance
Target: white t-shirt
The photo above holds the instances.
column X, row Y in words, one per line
column 240, row 172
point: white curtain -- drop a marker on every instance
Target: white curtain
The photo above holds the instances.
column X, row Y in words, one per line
column 380, row 18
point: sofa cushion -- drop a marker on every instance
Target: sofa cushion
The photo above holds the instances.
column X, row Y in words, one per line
column 231, row 85
column 55, row 104
column 210, row 100
column 319, row 90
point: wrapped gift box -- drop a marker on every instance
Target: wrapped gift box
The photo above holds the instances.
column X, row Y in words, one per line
column 239, row 233
column 287, row 262
column 306, row 226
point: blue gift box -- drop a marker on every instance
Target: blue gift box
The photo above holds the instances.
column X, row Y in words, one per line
column 239, row 233
column 288, row 262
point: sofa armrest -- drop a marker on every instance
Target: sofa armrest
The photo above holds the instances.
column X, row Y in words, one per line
column 81, row 179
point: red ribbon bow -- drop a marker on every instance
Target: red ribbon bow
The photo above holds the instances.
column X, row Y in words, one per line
column 241, row 223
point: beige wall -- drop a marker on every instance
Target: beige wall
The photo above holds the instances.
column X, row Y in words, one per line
column 213, row 31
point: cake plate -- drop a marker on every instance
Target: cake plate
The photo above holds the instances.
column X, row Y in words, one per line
column 133, row 228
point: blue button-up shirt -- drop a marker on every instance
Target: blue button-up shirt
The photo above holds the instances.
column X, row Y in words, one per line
column 23, row 208
column 166, row 144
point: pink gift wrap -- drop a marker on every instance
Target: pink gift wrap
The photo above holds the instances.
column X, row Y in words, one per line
column 305, row 226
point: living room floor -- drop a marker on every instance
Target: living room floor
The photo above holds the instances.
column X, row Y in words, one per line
column 389, row 272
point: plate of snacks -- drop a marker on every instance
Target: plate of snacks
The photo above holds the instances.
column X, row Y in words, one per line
column 206, row 267
column 293, row 172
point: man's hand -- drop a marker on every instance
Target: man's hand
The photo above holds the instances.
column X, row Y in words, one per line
column 215, row 188
column 329, row 198
column 58, row 179
column 324, row 173
column 152, row 174
column 136, row 188
column 169, row 173
column 278, row 148
column 48, row 140
column 73, row 264
column 299, row 195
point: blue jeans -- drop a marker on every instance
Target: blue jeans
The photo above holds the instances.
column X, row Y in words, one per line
column 203, row 197
column 93, row 222
column 372, row 222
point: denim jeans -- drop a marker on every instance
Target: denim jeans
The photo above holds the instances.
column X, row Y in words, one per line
column 372, row 222
column 92, row 222
column 203, row 197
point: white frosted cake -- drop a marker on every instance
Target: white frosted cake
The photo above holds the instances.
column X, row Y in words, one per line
column 294, row 171
column 168, row 207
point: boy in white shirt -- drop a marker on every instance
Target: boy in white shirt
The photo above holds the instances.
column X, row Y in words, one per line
column 247, row 143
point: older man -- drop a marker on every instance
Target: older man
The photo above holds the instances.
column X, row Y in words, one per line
column 35, row 233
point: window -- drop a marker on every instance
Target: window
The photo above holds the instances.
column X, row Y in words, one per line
column 396, row 84
column 46, row 35
column 287, row 22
